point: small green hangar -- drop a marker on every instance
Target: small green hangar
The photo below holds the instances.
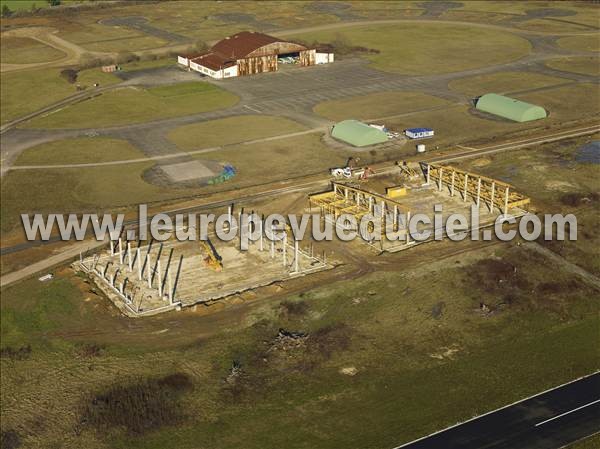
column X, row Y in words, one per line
column 357, row 133
column 509, row 108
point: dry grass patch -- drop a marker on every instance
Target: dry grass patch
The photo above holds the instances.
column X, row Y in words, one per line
column 418, row 48
column 79, row 151
column 231, row 130
column 585, row 65
column 23, row 50
column 135, row 105
column 503, row 83
column 381, row 104
column 587, row 42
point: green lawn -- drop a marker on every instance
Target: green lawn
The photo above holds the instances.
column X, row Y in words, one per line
column 20, row 91
column 381, row 104
column 503, row 82
column 79, row 151
column 135, row 105
column 23, row 5
column 585, row 65
column 420, row 48
column 23, row 50
column 231, row 130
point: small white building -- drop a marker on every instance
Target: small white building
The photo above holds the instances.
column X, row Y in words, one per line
column 418, row 133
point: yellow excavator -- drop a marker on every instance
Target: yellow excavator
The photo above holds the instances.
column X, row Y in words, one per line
column 212, row 259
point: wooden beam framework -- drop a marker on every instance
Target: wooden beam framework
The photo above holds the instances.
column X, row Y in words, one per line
column 345, row 199
column 491, row 192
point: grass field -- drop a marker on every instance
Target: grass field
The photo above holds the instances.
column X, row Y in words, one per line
column 425, row 48
column 588, row 42
column 84, row 34
column 568, row 102
column 552, row 26
column 23, row 5
column 588, row 443
column 415, row 362
column 277, row 159
column 380, row 104
column 135, row 43
column 79, row 151
column 503, row 83
column 231, row 130
column 19, row 5
column 22, row 50
column 585, row 65
column 20, row 92
column 109, row 187
column 134, row 105
column 74, row 190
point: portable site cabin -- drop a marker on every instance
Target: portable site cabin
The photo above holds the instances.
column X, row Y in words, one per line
column 419, row 133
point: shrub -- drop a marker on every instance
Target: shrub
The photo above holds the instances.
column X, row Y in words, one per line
column 21, row 353
column 140, row 407
column 70, row 75
column 10, row 440
column 290, row 309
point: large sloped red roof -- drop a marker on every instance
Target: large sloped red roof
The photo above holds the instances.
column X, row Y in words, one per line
column 225, row 52
column 213, row 61
column 242, row 44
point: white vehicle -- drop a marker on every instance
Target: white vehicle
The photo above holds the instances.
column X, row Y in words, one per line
column 46, row 277
column 379, row 127
column 345, row 172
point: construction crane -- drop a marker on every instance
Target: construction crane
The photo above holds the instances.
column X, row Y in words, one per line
column 405, row 169
column 212, row 259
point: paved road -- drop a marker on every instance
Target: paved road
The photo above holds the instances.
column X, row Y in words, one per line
column 549, row 420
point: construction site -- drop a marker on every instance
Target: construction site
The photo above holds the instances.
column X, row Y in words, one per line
column 435, row 168
column 157, row 277
column 146, row 279
column 393, row 205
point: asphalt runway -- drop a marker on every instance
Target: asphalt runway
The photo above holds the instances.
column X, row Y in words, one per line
column 549, row 420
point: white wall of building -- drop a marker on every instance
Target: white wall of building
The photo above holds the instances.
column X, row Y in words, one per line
column 183, row 61
column 228, row 72
column 323, row 58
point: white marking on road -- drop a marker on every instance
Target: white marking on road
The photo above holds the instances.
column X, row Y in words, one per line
column 252, row 109
column 567, row 413
column 497, row 410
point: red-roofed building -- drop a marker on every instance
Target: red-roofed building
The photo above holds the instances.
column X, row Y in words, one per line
column 248, row 53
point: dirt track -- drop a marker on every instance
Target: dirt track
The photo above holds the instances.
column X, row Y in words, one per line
column 46, row 36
